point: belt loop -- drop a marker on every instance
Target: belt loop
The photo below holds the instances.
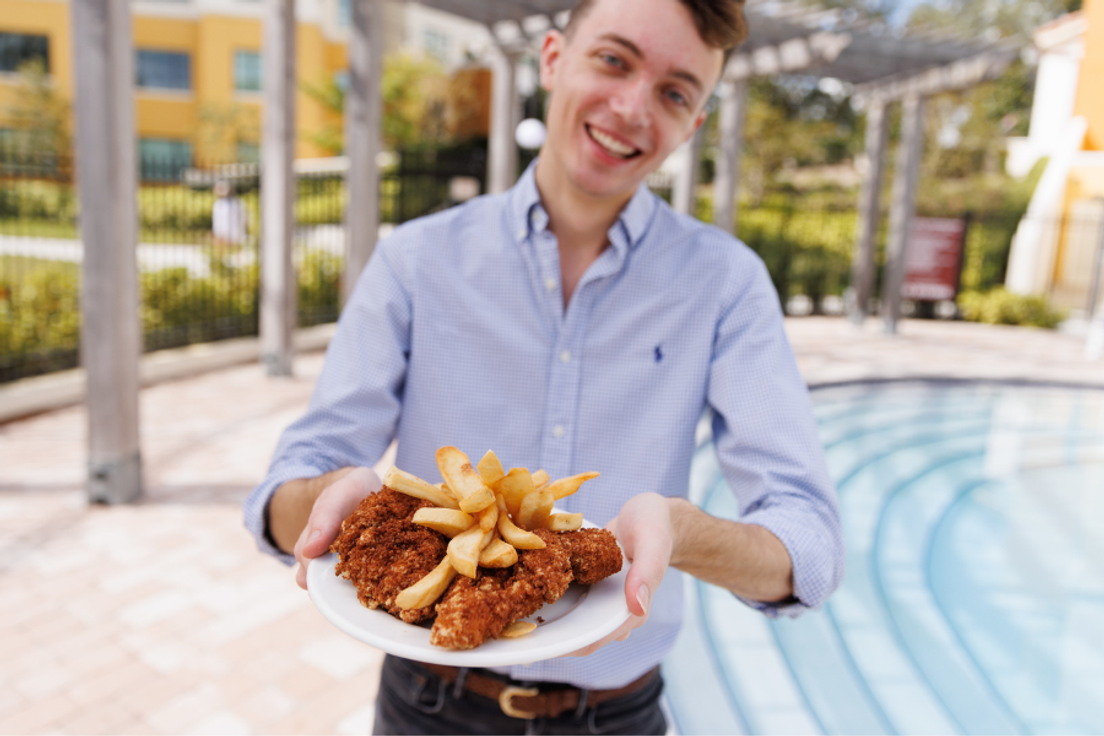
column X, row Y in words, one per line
column 458, row 686
column 584, row 697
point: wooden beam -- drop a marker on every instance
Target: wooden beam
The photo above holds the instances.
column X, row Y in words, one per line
column 793, row 55
column 947, row 78
column 726, row 181
column 502, row 159
column 278, row 282
column 685, row 189
column 111, row 338
column 905, row 179
column 362, row 140
column 863, row 261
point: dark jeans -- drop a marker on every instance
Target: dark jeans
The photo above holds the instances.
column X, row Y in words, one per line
column 413, row 700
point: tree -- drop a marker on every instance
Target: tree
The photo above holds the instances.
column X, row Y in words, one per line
column 413, row 90
column 39, row 114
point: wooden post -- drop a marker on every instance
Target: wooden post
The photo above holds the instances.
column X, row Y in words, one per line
column 502, row 159
column 866, row 235
column 362, row 140
column 905, row 179
column 726, row 181
column 278, row 282
column 111, row 338
column 685, row 188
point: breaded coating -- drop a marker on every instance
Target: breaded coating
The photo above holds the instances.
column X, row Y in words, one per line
column 473, row 611
column 381, row 551
column 594, row 554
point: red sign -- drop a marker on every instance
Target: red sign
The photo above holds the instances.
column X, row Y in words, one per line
column 934, row 259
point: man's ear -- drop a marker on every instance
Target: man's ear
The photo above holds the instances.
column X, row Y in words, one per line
column 551, row 51
column 697, row 124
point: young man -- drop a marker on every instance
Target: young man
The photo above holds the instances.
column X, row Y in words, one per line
column 577, row 323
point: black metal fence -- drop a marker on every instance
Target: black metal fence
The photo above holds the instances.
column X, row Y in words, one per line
column 198, row 251
column 198, row 247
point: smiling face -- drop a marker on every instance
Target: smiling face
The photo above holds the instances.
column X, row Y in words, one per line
column 627, row 87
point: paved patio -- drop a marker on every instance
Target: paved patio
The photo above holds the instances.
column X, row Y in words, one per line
column 162, row 618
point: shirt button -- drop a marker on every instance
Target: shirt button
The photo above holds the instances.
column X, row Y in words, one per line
column 522, row 234
column 558, row 431
column 550, row 284
column 565, row 356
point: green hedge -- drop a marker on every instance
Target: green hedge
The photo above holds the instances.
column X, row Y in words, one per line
column 40, row 309
column 1000, row 307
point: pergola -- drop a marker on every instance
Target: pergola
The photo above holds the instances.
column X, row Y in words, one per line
column 786, row 37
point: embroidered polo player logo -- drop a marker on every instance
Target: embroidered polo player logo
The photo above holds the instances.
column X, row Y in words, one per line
column 658, row 353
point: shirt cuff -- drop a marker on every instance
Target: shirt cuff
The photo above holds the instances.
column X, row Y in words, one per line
column 255, row 507
column 813, row 555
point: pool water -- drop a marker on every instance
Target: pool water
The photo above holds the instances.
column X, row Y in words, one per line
column 974, row 596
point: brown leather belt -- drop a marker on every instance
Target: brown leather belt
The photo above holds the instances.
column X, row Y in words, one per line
column 532, row 702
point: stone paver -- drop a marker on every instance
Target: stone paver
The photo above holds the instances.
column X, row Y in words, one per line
column 162, row 618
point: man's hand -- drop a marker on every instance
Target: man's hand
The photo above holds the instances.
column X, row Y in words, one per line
column 645, row 532
column 334, row 503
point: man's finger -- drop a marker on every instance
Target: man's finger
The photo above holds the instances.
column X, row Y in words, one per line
column 649, row 564
column 332, row 507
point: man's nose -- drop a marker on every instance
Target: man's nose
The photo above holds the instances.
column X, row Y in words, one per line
column 631, row 102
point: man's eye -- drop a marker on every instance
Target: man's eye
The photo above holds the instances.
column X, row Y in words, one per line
column 677, row 97
column 612, row 60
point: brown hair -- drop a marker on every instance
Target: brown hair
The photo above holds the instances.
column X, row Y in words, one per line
column 721, row 23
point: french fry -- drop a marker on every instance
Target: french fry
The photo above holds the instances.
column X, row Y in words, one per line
column 535, row 508
column 518, row 628
column 517, row 537
column 498, row 554
column 564, row 487
column 540, row 478
column 488, row 518
column 490, row 469
column 515, row 486
column 449, row 522
column 564, row 522
column 464, row 550
column 471, row 492
column 412, row 485
column 428, row 589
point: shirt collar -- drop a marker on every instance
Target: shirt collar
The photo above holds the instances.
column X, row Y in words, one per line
column 530, row 216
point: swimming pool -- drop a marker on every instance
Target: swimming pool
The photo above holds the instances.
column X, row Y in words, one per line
column 974, row 595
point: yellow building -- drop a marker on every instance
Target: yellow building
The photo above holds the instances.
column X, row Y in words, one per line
column 1055, row 249
column 197, row 67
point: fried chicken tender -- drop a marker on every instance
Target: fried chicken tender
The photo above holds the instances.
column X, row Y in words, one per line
column 594, row 554
column 473, row 611
column 381, row 551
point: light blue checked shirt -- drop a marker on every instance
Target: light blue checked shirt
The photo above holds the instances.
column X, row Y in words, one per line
column 457, row 335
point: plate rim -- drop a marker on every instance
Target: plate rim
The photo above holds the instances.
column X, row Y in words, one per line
column 495, row 652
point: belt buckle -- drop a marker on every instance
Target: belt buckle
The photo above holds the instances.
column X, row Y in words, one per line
column 511, row 691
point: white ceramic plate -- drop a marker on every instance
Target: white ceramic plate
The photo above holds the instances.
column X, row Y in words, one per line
column 582, row 616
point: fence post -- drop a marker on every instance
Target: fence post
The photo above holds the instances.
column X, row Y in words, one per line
column 278, row 282
column 1098, row 263
column 685, row 189
column 362, row 142
column 111, row 339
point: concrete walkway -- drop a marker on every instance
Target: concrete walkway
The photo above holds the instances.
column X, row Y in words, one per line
column 162, row 618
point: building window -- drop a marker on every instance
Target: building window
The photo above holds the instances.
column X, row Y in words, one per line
column 164, row 69
column 16, row 49
column 163, row 160
column 247, row 71
column 436, row 45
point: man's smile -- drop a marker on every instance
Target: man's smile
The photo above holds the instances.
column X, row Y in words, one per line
column 611, row 145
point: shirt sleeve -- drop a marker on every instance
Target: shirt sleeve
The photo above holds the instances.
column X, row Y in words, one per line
column 767, row 444
column 355, row 407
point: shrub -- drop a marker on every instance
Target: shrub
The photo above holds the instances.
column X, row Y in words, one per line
column 1001, row 307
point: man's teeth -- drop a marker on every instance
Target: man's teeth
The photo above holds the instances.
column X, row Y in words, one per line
column 612, row 145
